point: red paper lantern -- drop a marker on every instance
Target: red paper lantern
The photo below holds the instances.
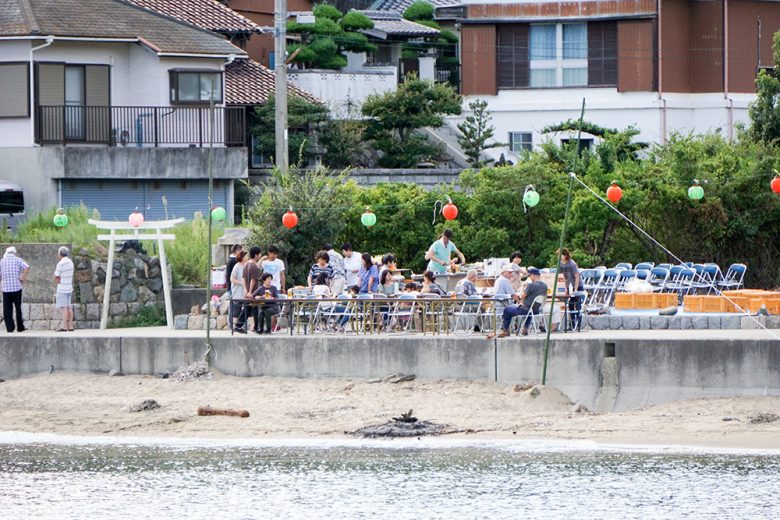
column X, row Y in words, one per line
column 449, row 211
column 136, row 218
column 290, row 219
column 614, row 193
column 775, row 184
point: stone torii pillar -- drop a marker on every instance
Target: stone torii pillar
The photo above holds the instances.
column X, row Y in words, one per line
column 154, row 229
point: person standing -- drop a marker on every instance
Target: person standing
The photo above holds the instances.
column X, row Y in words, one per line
column 352, row 264
column 571, row 274
column 520, row 273
column 251, row 283
column 320, row 266
column 274, row 266
column 237, row 291
column 368, row 275
column 13, row 276
column 336, row 262
column 63, row 274
column 231, row 263
column 438, row 255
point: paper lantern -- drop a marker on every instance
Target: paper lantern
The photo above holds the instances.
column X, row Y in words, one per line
column 60, row 218
column 136, row 218
column 368, row 218
column 775, row 184
column 449, row 211
column 218, row 214
column 614, row 193
column 531, row 198
column 290, row 219
column 695, row 192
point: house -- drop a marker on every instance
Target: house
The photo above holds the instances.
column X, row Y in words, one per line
column 107, row 104
column 261, row 46
column 662, row 65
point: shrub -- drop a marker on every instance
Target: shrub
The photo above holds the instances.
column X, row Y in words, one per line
column 418, row 11
column 148, row 316
column 188, row 254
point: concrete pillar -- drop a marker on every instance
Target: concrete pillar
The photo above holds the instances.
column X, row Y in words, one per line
column 428, row 68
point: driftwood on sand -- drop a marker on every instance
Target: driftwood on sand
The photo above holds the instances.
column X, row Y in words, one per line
column 404, row 426
column 208, row 410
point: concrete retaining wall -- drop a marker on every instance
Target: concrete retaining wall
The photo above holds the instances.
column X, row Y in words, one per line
column 649, row 371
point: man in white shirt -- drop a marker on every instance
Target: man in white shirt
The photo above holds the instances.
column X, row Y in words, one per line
column 63, row 274
column 275, row 266
column 352, row 264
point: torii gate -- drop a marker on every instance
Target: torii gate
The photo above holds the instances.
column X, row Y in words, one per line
column 157, row 226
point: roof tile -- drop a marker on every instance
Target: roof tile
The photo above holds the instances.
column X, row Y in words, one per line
column 249, row 83
column 206, row 14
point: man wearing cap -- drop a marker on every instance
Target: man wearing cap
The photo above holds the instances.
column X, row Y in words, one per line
column 503, row 284
column 13, row 275
column 527, row 304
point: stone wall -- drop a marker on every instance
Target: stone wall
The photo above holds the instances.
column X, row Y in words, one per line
column 136, row 282
column 427, row 178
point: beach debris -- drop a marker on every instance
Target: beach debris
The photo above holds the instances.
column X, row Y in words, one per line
column 145, row 405
column 208, row 410
column 523, row 388
column 763, row 417
column 115, row 373
column 536, row 391
column 349, row 386
column 164, row 375
column 578, row 408
column 729, row 418
column 51, row 369
column 405, row 425
column 668, row 311
column 393, row 378
column 198, row 371
column 2, row 380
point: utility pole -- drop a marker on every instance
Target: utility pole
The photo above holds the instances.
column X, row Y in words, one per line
column 280, row 57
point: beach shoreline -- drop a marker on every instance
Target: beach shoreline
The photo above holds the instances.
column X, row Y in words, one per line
column 93, row 405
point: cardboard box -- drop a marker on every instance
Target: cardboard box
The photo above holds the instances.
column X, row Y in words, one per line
column 549, row 279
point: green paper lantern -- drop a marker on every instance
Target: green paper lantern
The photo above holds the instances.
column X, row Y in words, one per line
column 218, row 214
column 531, row 198
column 60, row 219
column 368, row 218
column 695, row 192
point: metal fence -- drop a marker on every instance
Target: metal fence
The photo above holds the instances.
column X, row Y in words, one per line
column 140, row 126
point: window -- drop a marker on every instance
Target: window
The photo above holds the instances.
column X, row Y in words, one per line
column 558, row 55
column 195, row 87
column 520, row 141
column 14, row 84
column 585, row 144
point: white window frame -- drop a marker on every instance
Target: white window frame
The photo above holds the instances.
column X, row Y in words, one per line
column 520, row 142
column 559, row 63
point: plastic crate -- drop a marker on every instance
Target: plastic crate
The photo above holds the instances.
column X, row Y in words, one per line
column 645, row 301
column 737, row 303
column 755, row 304
column 663, row 300
column 713, row 304
column 693, row 304
column 625, row 301
column 773, row 305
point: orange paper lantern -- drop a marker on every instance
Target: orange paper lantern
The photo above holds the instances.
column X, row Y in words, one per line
column 290, row 219
column 449, row 211
column 136, row 218
column 614, row 193
column 775, row 184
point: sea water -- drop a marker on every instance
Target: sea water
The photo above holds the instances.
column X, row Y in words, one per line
column 61, row 478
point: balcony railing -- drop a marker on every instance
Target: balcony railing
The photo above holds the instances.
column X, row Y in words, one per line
column 140, row 126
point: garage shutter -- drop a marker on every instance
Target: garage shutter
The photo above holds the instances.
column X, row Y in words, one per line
column 116, row 199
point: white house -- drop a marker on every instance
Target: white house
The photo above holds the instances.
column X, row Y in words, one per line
column 107, row 103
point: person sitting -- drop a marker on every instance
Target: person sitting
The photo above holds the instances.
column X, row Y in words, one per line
column 386, row 283
column 368, row 275
column 268, row 293
column 526, row 306
column 468, row 286
column 320, row 267
column 430, row 286
column 341, row 307
column 520, row 273
column 503, row 284
column 321, row 289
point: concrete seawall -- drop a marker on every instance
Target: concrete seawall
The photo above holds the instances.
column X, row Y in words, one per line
column 648, row 368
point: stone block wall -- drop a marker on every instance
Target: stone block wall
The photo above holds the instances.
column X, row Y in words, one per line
column 136, row 281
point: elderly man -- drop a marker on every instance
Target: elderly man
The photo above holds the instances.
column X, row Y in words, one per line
column 468, row 287
column 503, row 284
column 63, row 274
column 527, row 305
column 13, row 276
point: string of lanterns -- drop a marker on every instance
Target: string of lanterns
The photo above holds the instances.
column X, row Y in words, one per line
column 449, row 210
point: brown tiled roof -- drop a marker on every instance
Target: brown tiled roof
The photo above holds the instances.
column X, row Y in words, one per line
column 399, row 6
column 206, row 14
column 110, row 19
column 388, row 23
column 249, row 83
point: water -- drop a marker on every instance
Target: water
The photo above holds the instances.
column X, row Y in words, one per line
column 399, row 480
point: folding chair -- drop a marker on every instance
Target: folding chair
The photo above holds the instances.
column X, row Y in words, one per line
column 644, row 265
column 574, row 312
column 466, row 315
column 623, row 265
column 734, row 277
column 642, row 274
column 602, row 293
column 537, row 319
column 432, row 314
column 363, row 313
column 624, row 278
column 665, row 266
column 682, row 284
column 658, row 278
column 707, row 278
column 401, row 315
column 591, row 278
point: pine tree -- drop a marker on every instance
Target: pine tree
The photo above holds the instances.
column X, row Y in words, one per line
column 476, row 131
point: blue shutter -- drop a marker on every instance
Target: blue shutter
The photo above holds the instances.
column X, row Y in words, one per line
column 116, row 199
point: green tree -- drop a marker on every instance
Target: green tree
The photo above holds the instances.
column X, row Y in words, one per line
column 324, row 42
column 304, row 118
column 319, row 198
column 476, row 131
column 764, row 112
column 395, row 117
column 344, row 144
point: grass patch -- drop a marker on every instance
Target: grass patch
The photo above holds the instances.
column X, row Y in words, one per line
column 149, row 316
column 40, row 229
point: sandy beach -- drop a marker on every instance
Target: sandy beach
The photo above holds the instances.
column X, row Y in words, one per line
column 88, row 404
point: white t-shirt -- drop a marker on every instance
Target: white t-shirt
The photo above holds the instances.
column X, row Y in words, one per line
column 353, row 263
column 275, row 267
column 64, row 270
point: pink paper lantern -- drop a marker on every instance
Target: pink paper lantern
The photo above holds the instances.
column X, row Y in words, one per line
column 136, row 219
